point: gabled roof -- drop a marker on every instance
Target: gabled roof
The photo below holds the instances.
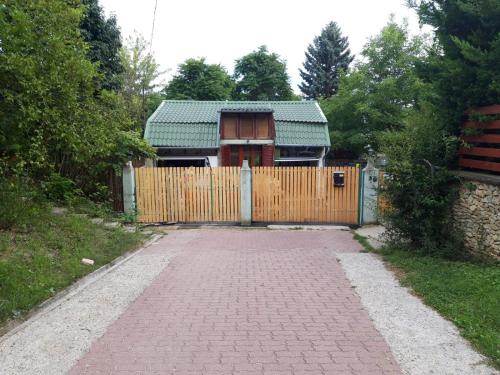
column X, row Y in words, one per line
column 193, row 124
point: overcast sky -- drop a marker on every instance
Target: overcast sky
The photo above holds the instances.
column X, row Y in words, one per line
column 224, row 30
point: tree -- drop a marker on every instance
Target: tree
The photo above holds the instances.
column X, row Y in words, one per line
column 139, row 80
column 378, row 93
column 464, row 66
column 53, row 115
column 326, row 58
column 261, row 75
column 104, row 38
column 198, row 80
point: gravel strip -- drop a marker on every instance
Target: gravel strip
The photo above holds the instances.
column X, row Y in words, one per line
column 421, row 340
column 53, row 340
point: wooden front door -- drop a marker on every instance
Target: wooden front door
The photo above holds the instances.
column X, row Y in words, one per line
column 252, row 153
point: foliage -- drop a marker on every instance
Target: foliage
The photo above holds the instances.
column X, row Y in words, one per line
column 104, row 39
column 53, row 115
column 464, row 292
column 379, row 93
column 421, row 189
column 139, row 80
column 326, row 58
column 463, row 67
column 198, row 80
column 41, row 254
column 15, row 211
column 262, row 75
column 59, row 189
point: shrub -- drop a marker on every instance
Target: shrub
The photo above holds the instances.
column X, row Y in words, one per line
column 16, row 206
column 60, row 189
column 421, row 189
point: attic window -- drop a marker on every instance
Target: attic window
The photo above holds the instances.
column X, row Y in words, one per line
column 246, row 125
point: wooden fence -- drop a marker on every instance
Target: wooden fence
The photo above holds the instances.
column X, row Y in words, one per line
column 483, row 151
column 304, row 195
column 188, row 194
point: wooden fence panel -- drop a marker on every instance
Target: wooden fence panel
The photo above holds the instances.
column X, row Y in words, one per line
column 187, row 194
column 304, row 195
column 279, row 194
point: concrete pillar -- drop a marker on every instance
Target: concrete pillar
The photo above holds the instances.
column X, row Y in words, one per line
column 129, row 189
column 370, row 193
column 246, row 194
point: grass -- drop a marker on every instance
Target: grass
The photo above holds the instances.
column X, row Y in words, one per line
column 40, row 255
column 466, row 293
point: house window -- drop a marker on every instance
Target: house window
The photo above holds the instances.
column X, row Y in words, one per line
column 246, row 126
column 230, row 124
column 262, row 126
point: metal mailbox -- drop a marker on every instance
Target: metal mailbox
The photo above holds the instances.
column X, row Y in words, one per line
column 338, row 178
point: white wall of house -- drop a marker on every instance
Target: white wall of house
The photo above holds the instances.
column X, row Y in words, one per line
column 213, row 160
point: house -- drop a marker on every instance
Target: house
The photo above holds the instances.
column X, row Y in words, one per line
column 224, row 133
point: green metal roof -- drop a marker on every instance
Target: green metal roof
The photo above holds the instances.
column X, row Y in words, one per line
column 193, row 124
column 301, row 134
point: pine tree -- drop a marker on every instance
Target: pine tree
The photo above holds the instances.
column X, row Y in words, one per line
column 326, row 57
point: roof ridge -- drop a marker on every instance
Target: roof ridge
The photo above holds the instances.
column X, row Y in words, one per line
column 240, row 101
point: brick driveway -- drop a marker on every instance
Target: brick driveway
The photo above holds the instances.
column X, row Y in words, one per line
column 245, row 302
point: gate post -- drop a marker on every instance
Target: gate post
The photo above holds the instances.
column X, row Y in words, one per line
column 129, row 189
column 246, row 194
column 370, row 193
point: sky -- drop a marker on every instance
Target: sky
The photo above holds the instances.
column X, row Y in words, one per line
column 225, row 30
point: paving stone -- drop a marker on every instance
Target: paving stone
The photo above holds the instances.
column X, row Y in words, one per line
column 59, row 210
column 256, row 302
column 112, row 224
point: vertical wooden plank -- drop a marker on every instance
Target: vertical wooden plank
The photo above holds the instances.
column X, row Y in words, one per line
column 329, row 192
column 199, row 195
column 218, row 192
column 174, row 206
column 223, row 194
column 197, row 189
column 208, row 194
column 237, row 181
column 310, row 194
column 147, row 201
column 315, row 209
column 258, row 200
column 230, row 206
column 179, row 188
column 270, row 185
column 235, row 193
column 167, row 192
column 162, row 193
column 254, row 195
column 215, row 195
column 282, row 197
column 230, row 184
column 154, row 196
column 223, row 204
column 351, row 199
column 300, row 192
column 172, row 195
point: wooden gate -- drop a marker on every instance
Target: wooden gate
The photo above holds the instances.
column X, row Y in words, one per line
column 188, row 195
column 304, row 195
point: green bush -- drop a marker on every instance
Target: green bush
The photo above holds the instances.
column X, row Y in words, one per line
column 421, row 189
column 60, row 189
column 16, row 206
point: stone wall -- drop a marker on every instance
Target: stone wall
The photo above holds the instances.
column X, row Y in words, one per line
column 477, row 214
